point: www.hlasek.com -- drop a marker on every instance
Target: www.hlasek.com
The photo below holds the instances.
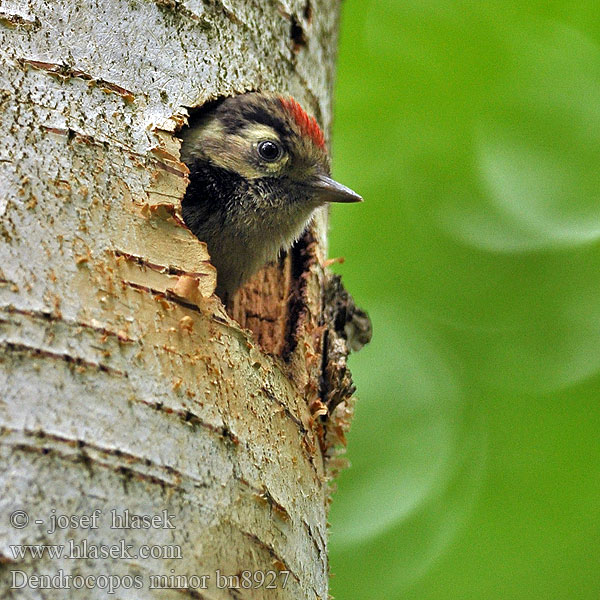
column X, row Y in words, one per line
column 83, row 549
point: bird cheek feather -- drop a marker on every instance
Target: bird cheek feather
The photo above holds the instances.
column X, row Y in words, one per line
column 230, row 155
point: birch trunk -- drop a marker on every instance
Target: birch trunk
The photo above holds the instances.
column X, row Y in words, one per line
column 126, row 388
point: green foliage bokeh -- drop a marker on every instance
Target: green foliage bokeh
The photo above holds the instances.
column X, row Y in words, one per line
column 472, row 129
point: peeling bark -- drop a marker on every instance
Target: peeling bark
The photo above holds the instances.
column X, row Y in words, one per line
column 125, row 384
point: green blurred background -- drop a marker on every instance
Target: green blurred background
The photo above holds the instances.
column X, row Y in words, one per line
column 472, row 129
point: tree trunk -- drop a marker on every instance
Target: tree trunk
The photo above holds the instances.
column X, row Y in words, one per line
column 126, row 388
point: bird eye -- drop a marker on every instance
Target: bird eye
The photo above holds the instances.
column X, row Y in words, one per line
column 269, row 150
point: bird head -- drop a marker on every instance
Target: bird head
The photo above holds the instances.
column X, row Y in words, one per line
column 258, row 170
column 267, row 137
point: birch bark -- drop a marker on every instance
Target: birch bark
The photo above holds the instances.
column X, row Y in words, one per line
column 126, row 389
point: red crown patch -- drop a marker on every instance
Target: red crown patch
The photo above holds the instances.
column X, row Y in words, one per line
column 308, row 125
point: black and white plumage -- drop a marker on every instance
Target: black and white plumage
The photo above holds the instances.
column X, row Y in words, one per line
column 258, row 170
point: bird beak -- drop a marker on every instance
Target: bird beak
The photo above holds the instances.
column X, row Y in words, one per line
column 329, row 190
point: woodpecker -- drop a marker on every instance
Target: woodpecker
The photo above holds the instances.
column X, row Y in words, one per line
column 258, row 170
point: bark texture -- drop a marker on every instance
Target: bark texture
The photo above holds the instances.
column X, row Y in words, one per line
column 124, row 384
